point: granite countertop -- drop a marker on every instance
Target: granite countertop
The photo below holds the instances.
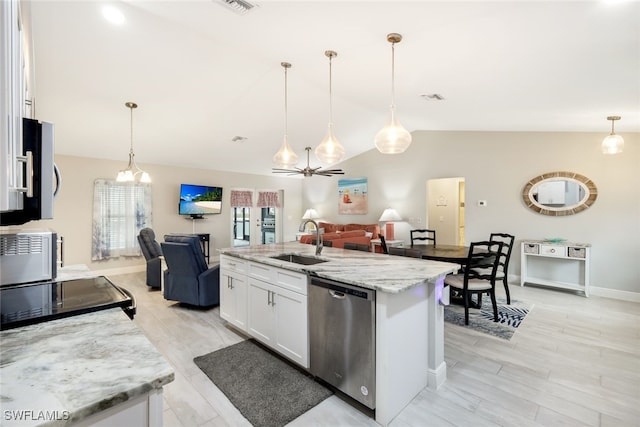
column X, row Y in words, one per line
column 75, row 367
column 386, row 273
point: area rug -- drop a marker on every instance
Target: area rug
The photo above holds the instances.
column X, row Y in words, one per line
column 481, row 320
column 267, row 390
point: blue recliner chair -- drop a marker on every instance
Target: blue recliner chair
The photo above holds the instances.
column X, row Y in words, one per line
column 188, row 278
column 152, row 253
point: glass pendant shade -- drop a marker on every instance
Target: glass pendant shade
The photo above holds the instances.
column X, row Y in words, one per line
column 285, row 157
column 132, row 172
column 393, row 138
column 612, row 144
column 330, row 150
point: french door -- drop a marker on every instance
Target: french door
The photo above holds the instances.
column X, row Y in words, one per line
column 253, row 221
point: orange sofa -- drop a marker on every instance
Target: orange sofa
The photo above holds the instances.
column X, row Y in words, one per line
column 339, row 234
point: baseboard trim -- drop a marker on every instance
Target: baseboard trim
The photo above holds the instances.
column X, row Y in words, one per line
column 615, row 294
column 120, row 270
column 597, row 291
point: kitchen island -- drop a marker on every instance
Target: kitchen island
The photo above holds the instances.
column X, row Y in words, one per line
column 92, row 369
column 409, row 323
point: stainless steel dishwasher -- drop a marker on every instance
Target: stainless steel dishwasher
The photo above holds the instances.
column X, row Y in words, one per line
column 342, row 322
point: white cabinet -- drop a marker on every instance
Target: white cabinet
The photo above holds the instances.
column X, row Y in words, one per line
column 268, row 303
column 11, row 101
column 553, row 264
column 233, row 291
column 278, row 310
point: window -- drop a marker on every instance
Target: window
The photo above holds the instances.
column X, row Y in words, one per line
column 120, row 211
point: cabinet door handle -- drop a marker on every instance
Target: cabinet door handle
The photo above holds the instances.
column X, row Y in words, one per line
column 273, row 298
column 27, row 159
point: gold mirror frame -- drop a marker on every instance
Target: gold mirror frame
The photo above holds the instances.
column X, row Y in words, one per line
column 591, row 193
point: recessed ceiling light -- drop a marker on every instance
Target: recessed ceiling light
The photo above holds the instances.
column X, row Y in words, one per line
column 113, row 15
column 432, row 97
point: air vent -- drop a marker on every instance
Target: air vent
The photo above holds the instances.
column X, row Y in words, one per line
column 238, row 6
column 432, row 97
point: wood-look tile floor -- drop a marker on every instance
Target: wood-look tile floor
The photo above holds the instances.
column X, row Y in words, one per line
column 574, row 361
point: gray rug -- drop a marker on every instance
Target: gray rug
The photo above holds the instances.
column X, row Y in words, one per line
column 481, row 320
column 267, row 391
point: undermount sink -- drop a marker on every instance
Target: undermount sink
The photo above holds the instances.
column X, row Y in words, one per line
column 299, row 259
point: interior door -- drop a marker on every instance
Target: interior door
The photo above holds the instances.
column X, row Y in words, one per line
column 445, row 209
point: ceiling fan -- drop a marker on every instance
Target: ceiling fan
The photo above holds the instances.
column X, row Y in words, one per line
column 309, row 171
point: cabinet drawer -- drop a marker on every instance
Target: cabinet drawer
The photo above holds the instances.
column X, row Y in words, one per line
column 553, row 250
column 531, row 248
column 262, row 272
column 233, row 264
column 577, row 252
column 291, row 280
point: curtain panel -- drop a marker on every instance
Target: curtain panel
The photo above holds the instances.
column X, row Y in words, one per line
column 268, row 199
column 120, row 211
column 241, row 199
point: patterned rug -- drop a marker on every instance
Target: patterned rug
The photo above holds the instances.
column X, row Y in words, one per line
column 481, row 320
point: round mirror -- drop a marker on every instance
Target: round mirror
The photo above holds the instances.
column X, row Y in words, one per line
column 559, row 193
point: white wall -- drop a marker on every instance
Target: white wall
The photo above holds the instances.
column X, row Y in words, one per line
column 73, row 208
column 496, row 166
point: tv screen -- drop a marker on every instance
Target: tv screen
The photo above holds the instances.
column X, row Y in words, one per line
column 198, row 200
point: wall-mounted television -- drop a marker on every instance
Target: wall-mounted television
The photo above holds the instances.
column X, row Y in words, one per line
column 199, row 200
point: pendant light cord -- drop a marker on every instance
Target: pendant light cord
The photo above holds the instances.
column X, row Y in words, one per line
column 285, row 103
column 393, row 76
column 330, row 93
column 131, row 129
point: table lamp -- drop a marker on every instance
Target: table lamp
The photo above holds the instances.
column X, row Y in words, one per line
column 389, row 216
column 310, row 214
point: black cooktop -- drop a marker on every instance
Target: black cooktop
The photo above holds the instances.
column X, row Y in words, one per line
column 26, row 304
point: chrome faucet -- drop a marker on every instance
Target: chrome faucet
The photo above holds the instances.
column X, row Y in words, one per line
column 318, row 242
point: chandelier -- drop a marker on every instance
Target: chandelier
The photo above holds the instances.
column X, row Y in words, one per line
column 132, row 172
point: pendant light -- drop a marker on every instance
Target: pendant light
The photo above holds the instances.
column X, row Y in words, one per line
column 285, row 157
column 330, row 150
column 612, row 144
column 132, row 172
column 393, row 138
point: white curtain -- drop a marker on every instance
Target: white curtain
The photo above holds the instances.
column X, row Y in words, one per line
column 120, row 211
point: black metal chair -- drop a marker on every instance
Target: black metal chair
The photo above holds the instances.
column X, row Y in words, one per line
column 152, row 254
column 423, row 234
column 507, row 245
column 408, row 252
column 479, row 275
column 383, row 244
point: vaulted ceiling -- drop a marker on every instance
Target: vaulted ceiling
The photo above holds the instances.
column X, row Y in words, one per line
column 204, row 75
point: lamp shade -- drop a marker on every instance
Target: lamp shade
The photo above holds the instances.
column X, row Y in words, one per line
column 310, row 214
column 612, row 144
column 390, row 215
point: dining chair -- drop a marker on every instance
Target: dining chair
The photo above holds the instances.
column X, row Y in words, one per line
column 479, row 275
column 503, row 267
column 383, row 244
column 394, row 250
column 423, row 234
column 356, row 246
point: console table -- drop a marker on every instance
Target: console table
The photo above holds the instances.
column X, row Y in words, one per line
column 560, row 252
column 205, row 242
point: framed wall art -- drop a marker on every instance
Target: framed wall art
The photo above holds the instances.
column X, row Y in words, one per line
column 352, row 196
